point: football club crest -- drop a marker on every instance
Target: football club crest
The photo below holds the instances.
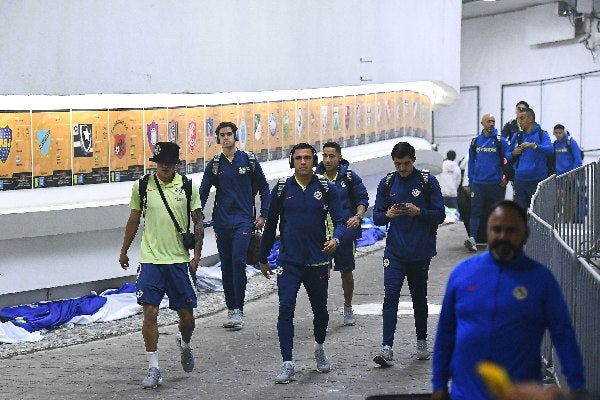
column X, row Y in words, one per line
column 243, row 134
column 299, row 122
column 173, row 131
column 368, row 115
column 120, row 146
column 5, row 143
column 416, row 192
column 210, row 132
column 378, row 111
column 318, row 195
column 272, row 124
column 286, row 125
column 192, row 136
column 82, row 140
column 242, row 170
column 336, row 118
column 43, row 141
column 347, row 117
column 520, row 293
column 386, row 262
column 152, row 133
column 257, row 127
column 358, row 116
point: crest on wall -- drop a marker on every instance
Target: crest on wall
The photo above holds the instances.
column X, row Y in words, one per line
column 5, row 143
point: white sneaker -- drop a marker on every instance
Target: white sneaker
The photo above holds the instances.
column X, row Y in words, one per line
column 349, row 319
column 471, row 245
column 286, row 374
column 323, row 364
column 386, row 357
column 422, row 352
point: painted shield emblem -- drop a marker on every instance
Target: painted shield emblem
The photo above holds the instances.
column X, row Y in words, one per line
column 43, row 141
column 192, row 136
column 272, row 124
column 210, row 132
column 243, row 134
column 152, row 133
column 120, row 147
column 257, row 127
column 82, row 140
column 299, row 122
column 173, row 131
column 5, row 143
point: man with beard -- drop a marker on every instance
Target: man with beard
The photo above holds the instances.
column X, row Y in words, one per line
column 497, row 307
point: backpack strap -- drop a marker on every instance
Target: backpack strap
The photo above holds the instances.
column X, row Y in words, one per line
column 474, row 147
column 187, row 188
column 387, row 187
column 251, row 161
column 142, row 189
column 216, row 164
column 498, row 141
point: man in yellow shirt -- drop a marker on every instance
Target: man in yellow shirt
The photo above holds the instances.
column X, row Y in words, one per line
column 165, row 264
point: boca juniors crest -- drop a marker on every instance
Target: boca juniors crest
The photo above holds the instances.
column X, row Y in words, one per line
column 119, row 146
column 192, row 136
column 5, row 143
column 43, row 141
column 152, row 133
column 82, row 140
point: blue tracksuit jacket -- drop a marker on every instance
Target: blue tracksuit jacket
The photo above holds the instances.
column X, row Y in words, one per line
column 484, row 167
column 533, row 163
column 567, row 160
column 410, row 238
column 301, row 215
column 499, row 313
column 234, row 200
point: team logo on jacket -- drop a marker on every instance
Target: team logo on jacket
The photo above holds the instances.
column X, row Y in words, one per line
column 139, row 293
column 243, row 170
column 386, row 262
column 343, row 184
column 416, row 192
column 520, row 293
column 318, row 195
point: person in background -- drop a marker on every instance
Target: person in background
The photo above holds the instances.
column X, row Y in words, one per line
column 355, row 201
column 528, row 151
column 497, row 307
column 237, row 176
column 486, row 184
column 165, row 264
column 300, row 204
column 450, row 179
column 410, row 201
column 566, row 150
column 512, row 126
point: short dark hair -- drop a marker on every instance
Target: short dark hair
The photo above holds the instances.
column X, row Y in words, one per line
column 451, row 155
column 403, row 149
column 559, row 126
column 524, row 103
column 301, row 146
column 333, row 145
column 530, row 112
column 512, row 205
column 224, row 124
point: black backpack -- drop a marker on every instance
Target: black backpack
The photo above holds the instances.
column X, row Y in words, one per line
column 251, row 164
column 425, row 189
column 506, row 168
column 143, row 187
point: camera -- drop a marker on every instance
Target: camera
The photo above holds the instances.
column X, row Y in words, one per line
column 189, row 242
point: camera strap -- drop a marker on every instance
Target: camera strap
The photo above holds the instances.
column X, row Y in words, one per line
column 162, row 195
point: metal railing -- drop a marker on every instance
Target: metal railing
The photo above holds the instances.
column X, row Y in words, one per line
column 564, row 219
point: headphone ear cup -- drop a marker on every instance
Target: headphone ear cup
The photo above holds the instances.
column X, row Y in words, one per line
column 217, row 139
column 315, row 160
column 291, row 159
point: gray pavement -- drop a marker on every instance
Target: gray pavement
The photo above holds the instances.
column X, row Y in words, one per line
column 236, row 365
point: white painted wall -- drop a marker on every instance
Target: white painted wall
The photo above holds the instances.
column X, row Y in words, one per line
column 188, row 46
column 494, row 51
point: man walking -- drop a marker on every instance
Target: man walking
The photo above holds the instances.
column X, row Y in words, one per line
column 410, row 201
column 528, row 151
column 496, row 308
column 486, row 185
column 300, row 205
column 165, row 265
column 237, row 176
column 355, row 201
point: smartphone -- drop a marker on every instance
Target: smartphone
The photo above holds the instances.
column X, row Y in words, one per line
column 400, row 205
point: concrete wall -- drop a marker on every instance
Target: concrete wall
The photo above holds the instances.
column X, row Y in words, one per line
column 187, row 46
column 496, row 51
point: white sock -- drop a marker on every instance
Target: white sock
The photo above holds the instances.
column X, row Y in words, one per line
column 184, row 345
column 320, row 346
column 152, row 357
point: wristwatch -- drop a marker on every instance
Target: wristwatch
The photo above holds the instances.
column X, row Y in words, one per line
column 336, row 240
